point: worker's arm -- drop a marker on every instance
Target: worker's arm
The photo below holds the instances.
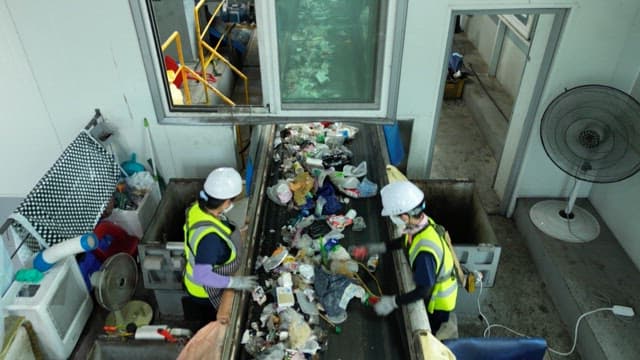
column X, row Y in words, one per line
column 362, row 251
column 424, row 276
column 394, row 244
column 211, row 250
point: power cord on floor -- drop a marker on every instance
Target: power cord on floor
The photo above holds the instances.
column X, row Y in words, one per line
column 470, row 67
column 484, row 318
column 616, row 309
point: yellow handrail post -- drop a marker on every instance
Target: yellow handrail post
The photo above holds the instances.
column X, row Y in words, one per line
column 204, row 62
column 216, row 91
column 246, row 91
column 176, row 37
column 196, row 13
column 233, row 68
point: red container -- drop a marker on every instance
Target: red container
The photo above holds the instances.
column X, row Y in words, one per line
column 121, row 241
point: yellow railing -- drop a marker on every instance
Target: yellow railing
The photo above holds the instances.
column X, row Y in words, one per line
column 183, row 70
column 176, row 37
column 202, row 44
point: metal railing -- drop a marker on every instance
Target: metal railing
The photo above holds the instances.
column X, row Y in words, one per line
column 183, row 70
column 213, row 52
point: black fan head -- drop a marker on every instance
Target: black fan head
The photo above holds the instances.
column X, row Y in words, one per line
column 592, row 132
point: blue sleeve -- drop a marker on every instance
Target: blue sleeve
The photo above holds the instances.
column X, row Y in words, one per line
column 212, row 250
column 424, row 275
column 424, row 272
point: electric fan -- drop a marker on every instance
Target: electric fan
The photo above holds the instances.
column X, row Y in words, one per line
column 590, row 132
column 114, row 284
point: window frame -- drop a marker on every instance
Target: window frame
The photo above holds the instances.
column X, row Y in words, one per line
column 387, row 83
column 523, row 29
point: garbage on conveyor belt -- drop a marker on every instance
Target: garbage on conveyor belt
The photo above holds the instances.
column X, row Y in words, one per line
column 309, row 278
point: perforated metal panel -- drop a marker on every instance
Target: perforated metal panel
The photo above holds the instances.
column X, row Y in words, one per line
column 71, row 196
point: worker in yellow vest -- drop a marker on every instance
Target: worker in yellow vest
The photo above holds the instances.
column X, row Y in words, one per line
column 211, row 245
column 430, row 258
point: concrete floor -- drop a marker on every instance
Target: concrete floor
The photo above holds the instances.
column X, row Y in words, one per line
column 519, row 299
column 543, row 285
column 593, row 275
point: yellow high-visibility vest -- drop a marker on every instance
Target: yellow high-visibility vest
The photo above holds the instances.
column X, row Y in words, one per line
column 445, row 290
column 198, row 225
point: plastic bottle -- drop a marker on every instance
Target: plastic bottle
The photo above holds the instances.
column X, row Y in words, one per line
column 344, row 267
column 330, row 244
column 319, row 205
column 372, row 263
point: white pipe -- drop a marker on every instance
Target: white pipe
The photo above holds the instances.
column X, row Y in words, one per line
column 572, row 198
column 45, row 259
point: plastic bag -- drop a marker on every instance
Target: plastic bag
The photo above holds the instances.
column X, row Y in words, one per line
column 141, row 181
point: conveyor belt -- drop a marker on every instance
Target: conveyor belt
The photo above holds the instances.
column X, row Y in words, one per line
column 364, row 335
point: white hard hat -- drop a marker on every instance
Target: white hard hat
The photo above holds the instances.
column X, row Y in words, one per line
column 400, row 197
column 223, row 183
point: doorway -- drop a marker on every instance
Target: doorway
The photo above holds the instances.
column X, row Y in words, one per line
column 493, row 74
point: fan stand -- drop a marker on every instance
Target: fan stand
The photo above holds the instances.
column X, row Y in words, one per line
column 135, row 311
column 114, row 284
column 565, row 221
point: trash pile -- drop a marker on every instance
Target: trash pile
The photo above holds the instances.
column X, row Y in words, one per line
column 309, row 279
column 130, row 191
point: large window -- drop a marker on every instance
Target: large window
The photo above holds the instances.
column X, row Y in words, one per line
column 300, row 59
column 328, row 51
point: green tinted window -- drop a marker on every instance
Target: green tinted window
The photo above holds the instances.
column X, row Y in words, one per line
column 328, row 50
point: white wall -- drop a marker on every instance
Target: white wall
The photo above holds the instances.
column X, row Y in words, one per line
column 594, row 49
column 594, row 36
column 481, row 31
column 67, row 58
column 618, row 203
column 510, row 66
column 29, row 142
column 599, row 44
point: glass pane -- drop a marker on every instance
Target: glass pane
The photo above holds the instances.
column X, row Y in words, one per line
column 328, row 50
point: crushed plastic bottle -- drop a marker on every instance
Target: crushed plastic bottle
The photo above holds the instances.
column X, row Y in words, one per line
column 330, row 244
column 372, row 263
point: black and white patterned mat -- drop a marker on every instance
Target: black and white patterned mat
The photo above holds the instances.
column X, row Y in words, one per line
column 70, row 198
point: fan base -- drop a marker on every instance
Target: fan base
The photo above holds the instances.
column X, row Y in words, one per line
column 546, row 216
column 135, row 311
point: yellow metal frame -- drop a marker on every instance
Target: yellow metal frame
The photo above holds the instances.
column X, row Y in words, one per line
column 204, row 62
column 187, row 93
column 176, row 37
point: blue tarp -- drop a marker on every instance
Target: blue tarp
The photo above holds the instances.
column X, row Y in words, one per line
column 394, row 143
column 496, row 348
